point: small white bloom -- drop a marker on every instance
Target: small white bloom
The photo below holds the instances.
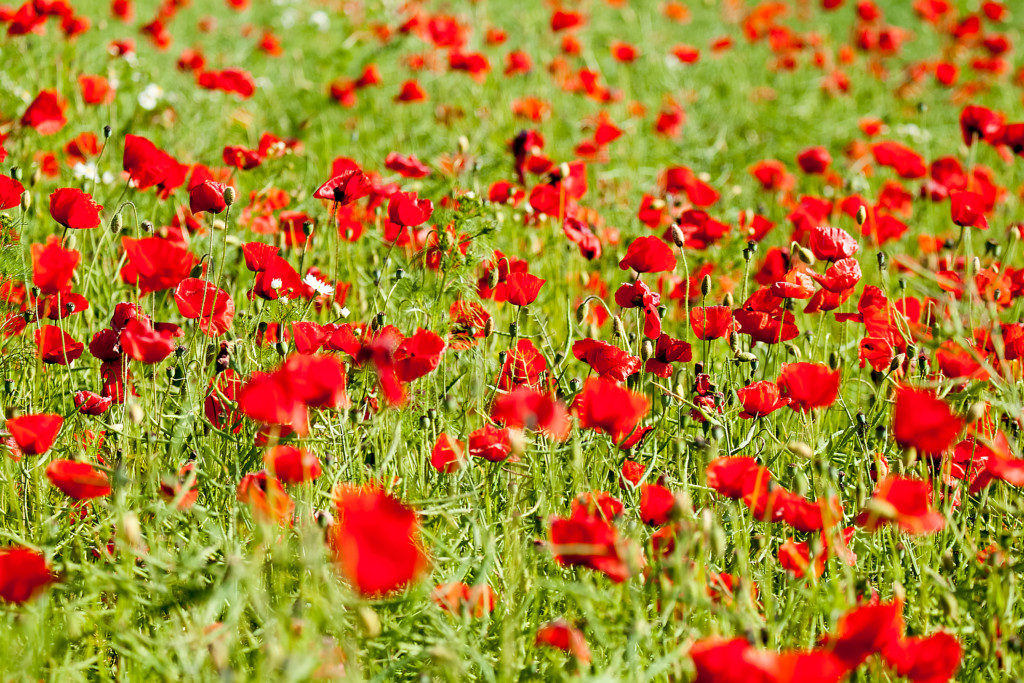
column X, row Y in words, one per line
column 317, row 285
column 150, row 96
column 320, row 20
column 345, row 312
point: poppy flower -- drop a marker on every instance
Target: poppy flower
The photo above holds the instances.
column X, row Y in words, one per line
column 923, row 421
column 268, row 500
column 10, row 191
column 411, row 91
column 207, row 196
column 490, row 443
column 588, row 541
column 668, row 350
column 980, row 123
column 202, row 300
column 235, row 81
column 376, row 541
column 606, row 359
column 967, row 209
column 529, row 408
column 148, row 166
column 292, row 465
column 657, row 504
column 345, row 187
column 562, row 636
column 522, row 288
column 711, row 322
column 418, row 355
column 841, row 276
column 406, row 166
column 808, row 385
column 406, row 209
column 456, row 597
column 155, row 264
column 53, row 266
column 54, row 345
column 45, row 113
column 906, row 162
column 814, row 160
column 648, row 254
column 903, row 501
column 146, row 343
column 91, row 403
column 448, row 454
column 925, row 659
column 74, row 209
column 23, row 574
column 717, row 659
column 34, row 434
column 605, row 406
column 760, row 399
column 831, row 244
column 78, row 480
column 863, row 631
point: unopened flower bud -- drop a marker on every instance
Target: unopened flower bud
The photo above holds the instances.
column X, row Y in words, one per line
column 705, row 285
column 883, row 260
column 646, row 349
column 115, row 223
column 147, row 226
column 618, row 329
column 26, row 201
column 677, row 236
column 492, row 278
column 976, row 411
column 801, row 449
column 862, row 214
column 581, row 313
column 727, row 300
column 16, row 172
column 229, row 195
column 107, row 132
column 488, row 327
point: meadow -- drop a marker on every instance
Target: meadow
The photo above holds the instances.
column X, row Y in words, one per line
column 476, row 340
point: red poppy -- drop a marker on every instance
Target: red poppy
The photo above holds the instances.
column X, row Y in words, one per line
column 53, row 266
column 91, row 403
column 200, row 299
column 841, row 276
column 968, row 209
column 457, row 597
column 406, row 209
column 207, row 196
column 657, row 504
column 34, row 434
column 588, row 541
column 808, row 385
column 155, row 264
column 906, row 162
column 922, row 421
column 266, row 497
column 831, row 244
column 54, row 345
column 864, row 631
column 148, row 166
column 522, row 288
column 979, row 123
column 418, row 355
column 10, row 191
column 903, row 501
column 376, row 541
column 490, row 443
column 560, row 635
column 23, row 574
column 411, row 91
column 925, row 659
column 448, row 454
column 996, row 461
column 528, row 408
column 760, row 399
column 79, row 480
column 145, row 342
column 711, row 322
column 74, row 209
column 292, row 465
column 345, row 187
column 234, row 81
column 668, row 350
column 606, row 359
column 648, row 254
column 605, row 406
column 45, row 113
column 814, row 160
column 406, row 166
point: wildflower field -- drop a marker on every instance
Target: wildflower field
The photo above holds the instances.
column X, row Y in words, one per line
column 483, row 340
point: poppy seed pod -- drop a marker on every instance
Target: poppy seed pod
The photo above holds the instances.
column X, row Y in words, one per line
column 229, row 195
column 618, row 329
column 677, row 236
column 513, row 329
column 575, row 385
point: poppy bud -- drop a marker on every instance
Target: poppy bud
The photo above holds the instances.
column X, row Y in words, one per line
column 975, row 264
column 324, row 519
column 800, row 449
column 513, row 329
column 107, row 132
column 575, row 385
column 132, row 530
column 26, row 201
column 896, row 362
column 369, row 620
column 705, row 285
column 502, row 355
column 804, row 254
column 399, row 274
column 281, row 347
column 734, row 341
column 115, row 223
column 16, row 172
column 463, row 144
column 135, row 413
column 229, row 195
column 745, row 357
column 976, row 411
column 618, row 329
column 883, row 260
column 424, row 422
column 492, row 279
column 581, row 313
column 793, row 350
column 646, row 349
column 197, row 271
column 862, row 214
column 833, row 360
column 488, row 327
column 677, row 236
column 991, row 247
column 1015, row 232
column 147, row 226
column 911, row 351
column 378, row 322
column 727, row 300
column 37, row 174
column 307, row 226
